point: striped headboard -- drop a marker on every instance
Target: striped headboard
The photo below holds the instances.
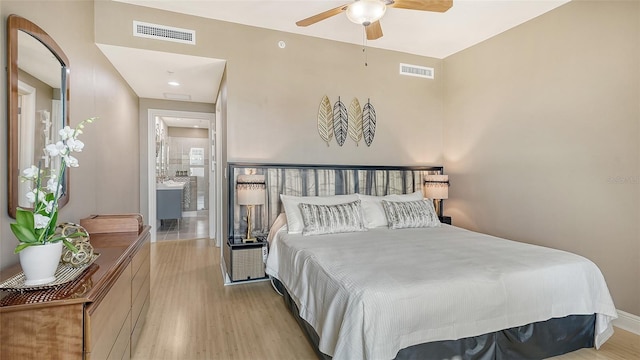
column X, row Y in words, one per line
column 317, row 180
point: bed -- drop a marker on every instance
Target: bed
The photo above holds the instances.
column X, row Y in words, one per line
column 383, row 289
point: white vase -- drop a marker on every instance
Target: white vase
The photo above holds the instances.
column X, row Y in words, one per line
column 39, row 263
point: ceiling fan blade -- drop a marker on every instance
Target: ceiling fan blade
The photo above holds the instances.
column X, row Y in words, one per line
column 374, row 30
column 321, row 16
column 424, row 5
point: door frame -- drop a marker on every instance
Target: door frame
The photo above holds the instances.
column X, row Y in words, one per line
column 215, row 182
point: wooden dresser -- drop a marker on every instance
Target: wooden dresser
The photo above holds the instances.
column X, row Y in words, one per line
column 99, row 315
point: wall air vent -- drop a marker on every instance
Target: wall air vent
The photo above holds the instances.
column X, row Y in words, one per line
column 415, row 70
column 162, row 32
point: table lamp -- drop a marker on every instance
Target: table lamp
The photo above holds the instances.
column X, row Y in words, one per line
column 251, row 192
column 436, row 187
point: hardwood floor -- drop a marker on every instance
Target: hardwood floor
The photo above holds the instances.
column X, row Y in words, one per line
column 194, row 224
column 194, row 316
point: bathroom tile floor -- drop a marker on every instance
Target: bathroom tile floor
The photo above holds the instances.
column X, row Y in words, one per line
column 193, row 225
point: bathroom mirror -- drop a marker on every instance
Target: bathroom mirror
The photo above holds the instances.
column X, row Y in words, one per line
column 38, row 90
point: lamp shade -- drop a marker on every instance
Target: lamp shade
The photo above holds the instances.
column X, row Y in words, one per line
column 250, row 189
column 365, row 12
column 436, row 186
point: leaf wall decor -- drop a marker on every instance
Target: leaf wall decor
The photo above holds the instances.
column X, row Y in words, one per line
column 325, row 120
column 340, row 122
column 355, row 121
column 368, row 123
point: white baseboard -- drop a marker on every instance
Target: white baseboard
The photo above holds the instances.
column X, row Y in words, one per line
column 628, row 322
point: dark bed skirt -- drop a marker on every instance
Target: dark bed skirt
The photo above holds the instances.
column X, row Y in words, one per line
column 539, row 340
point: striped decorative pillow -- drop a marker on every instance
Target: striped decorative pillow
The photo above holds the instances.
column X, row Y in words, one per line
column 330, row 219
column 410, row 214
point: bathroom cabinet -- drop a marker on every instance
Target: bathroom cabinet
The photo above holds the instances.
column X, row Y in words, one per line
column 169, row 203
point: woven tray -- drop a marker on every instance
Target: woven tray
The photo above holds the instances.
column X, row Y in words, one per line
column 64, row 274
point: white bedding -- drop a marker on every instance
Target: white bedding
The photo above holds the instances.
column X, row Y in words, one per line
column 370, row 294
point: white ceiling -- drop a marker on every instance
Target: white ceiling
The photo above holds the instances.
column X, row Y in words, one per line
column 149, row 72
column 437, row 35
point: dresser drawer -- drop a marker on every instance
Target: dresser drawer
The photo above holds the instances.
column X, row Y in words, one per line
column 120, row 347
column 141, row 257
column 107, row 319
column 140, row 283
column 139, row 301
column 139, row 324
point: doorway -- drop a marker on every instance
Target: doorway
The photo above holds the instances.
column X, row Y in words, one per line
column 182, row 175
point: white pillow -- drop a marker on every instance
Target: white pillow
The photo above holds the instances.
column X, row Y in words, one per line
column 374, row 215
column 294, row 216
column 331, row 219
column 410, row 214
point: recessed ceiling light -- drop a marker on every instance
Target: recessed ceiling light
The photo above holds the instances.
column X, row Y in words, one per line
column 196, row 126
column 173, row 83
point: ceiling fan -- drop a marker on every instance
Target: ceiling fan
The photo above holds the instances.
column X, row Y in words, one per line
column 369, row 12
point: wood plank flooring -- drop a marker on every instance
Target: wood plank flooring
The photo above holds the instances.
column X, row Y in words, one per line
column 193, row 316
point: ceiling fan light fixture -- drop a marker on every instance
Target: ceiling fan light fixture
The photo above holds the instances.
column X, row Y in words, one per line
column 365, row 12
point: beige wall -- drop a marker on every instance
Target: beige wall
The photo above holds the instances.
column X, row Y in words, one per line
column 273, row 93
column 542, row 134
column 107, row 179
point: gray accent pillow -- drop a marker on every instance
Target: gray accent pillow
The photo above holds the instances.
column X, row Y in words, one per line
column 410, row 214
column 330, row 219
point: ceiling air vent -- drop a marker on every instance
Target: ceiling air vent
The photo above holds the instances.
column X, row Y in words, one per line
column 162, row 32
column 415, row 70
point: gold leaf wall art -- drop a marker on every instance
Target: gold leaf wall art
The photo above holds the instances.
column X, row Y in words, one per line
column 355, row 121
column 325, row 120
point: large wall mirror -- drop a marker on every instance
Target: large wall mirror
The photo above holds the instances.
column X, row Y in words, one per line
column 38, row 84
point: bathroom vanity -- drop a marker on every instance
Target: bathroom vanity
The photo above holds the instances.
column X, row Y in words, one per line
column 169, row 200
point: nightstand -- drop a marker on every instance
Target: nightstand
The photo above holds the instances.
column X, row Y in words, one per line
column 245, row 261
column 445, row 219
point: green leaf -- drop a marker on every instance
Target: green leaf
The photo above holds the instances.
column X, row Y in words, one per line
column 77, row 234
column 70, row 246
column 50, row 230
column 25, row 218
column 22, row 246
column 54, row 219
column 24, row 234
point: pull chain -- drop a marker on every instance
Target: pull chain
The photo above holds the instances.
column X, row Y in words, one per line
column 364, row 45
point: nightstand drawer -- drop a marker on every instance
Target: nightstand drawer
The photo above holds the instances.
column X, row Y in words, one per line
column 245, row 262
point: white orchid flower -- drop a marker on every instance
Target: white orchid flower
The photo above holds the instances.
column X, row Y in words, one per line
column 31, row 196
column 75, row 145
column 31, row 173
column 52, row 184
column 49, row 208
column 40, row 221
column 67, row 133
column 56, row 149
column 71, row 161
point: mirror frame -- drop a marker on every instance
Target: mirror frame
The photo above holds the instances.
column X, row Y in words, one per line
column 15, row 24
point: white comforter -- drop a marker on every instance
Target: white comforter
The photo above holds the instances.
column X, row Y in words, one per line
column 370, row 294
